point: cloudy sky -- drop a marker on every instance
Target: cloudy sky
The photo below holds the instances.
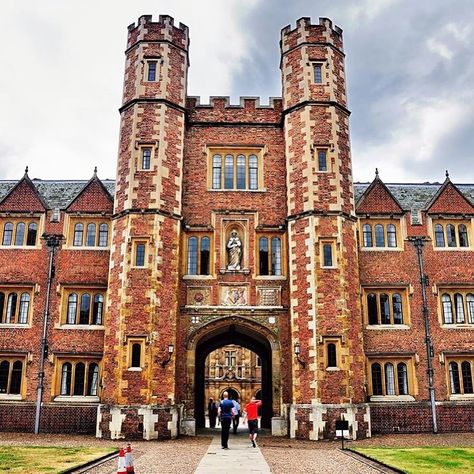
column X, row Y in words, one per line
column 410, row 71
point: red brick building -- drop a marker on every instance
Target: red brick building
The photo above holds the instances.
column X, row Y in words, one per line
column 235, row 224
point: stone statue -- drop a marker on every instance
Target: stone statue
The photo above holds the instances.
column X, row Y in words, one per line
column 234, row 249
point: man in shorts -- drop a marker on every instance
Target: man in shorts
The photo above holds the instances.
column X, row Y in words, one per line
column 251, row 415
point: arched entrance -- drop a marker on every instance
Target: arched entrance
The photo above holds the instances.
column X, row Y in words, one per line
column 233, row 394
column 244, row 333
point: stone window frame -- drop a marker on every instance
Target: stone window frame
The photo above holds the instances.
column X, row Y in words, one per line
column 235, row 150
column 456, row 222
column 384, row 222
column 131, row 341
column 395, row 359
column 337, row 341
column 322, row 64
column 322, row 243
column 93, row 291
column 459, row 359
column 27, row 221
column 199, row 235
column 157, row 60
column 270, row 236
column 19, row 290
column 136, row 241
column 452, row 292
column 74, row 360
column 86, row 220
column 12, row 358
column 140, row 146
column 403, row 290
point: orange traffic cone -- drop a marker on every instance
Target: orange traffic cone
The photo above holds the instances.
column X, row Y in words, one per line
column 121, row 469
column 129, row 459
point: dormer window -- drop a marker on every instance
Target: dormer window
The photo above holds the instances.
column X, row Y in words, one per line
column 454, row 234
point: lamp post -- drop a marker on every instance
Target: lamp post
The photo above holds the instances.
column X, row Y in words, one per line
column 418, row 243
column 52, row 243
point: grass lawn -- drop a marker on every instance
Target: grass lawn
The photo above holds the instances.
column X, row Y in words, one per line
column 424, row 460
column 40, row 459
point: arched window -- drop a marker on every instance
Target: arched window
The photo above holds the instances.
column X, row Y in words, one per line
column 85, row 309
column 379, row 236
column 451, row 235
column 367, row 235
column 402, row 376
column 78, row 235
column 470, row 308
column 454, row 378
column 71, row 309
column 32, row 232
column 136, row 355
column 397, row 309
column 263, row 255
column 253, row 172
column 216, row 171
column 389, row 379
column 66, row 377
column 229, row 172
column 384, row 309
column 98, row 309
column 79, row 378
column 205, row 255
column 332, row 356
column 15, row 381
column 240, row 172
column 372, row 309
column 391, row 235
column 4, row 373
column 146, row 158
column 439, row 235
column 192, row 255
column 20, row 233
column 11, row 308
column 92, row 380
column 276, row 256
column 7, row 234
column 376, row 379
column 447, row 309
column 24, row 307
column 103, row 235
column 90, row 235
column 458, row 301
column 2, row 305
column 463, row 239
column 466, row 377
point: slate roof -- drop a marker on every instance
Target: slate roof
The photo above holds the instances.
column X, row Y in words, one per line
column 411, row 196
column 56, row 193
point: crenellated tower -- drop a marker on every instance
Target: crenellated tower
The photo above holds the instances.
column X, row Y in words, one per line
column 139, row 382
column 328, row 381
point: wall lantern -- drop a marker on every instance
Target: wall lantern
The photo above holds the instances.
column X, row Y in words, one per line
column 297, row 354
column 165, row 362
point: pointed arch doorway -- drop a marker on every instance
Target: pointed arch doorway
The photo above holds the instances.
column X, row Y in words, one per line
column 251, row 336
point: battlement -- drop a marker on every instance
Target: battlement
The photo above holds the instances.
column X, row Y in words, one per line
column 248, row 110
column 306, row 32
column 164, row 29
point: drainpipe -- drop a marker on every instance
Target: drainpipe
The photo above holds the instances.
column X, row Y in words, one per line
column 418, row 243
column 52, row 244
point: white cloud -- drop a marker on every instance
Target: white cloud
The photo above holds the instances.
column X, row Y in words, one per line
column 436, row 46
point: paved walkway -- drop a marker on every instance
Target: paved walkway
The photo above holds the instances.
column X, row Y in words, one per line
column 240, row 458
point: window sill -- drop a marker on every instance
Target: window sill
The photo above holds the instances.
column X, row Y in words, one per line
column 458, row 326
column 73, row 247
column 76, row 399
column 332, row 369
column 20, row 247
column 453, row 249
column 270, row 277
column 84, row 327
column 14, row 326
column 329, row 268
column 5, row 396
column 389, row 327
column 381, row 249
column 134, row 369
column 263, row 190
column 462, row 396
column 198, row 277
column 392, row 398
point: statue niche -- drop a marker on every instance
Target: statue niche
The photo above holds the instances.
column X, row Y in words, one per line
column 234, row 251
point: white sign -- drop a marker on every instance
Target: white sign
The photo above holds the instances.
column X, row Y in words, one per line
column 341, row 433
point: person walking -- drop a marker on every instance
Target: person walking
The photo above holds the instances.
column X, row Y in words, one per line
column 236, row 419
column 251, row 416
column 225, row 413
column 212, row 412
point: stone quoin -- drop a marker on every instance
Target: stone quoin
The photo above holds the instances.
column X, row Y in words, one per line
column 236, row 225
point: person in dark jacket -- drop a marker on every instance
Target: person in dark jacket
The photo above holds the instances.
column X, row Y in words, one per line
column 212, row 412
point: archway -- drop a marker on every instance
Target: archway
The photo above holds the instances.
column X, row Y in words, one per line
column 236, row 332
column 233, row 394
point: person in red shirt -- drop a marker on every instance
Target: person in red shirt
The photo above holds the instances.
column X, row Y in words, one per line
column 251, row 415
